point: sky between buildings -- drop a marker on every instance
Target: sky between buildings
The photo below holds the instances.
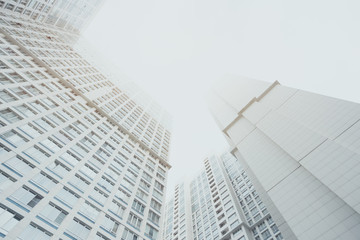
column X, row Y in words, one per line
column 175, row 49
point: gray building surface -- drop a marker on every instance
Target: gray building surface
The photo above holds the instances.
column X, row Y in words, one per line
column 301, row 151
column 219, row 203
column 80, row 157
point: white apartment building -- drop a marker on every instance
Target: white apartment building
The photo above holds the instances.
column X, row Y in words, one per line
column 219, row 203
column 301, row 151
column 80, row 157
column 71, row 15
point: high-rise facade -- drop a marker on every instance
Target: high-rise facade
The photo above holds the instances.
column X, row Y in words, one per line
column 219, row 203
column 71, row 15
column 301, row 151
column 80, row 157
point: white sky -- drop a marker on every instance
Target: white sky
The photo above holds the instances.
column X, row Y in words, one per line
column 175, row 49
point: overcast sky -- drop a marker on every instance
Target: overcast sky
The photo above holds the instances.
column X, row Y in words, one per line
column 175, row 49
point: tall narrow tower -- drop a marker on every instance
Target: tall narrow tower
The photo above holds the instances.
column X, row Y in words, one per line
column 220, row 203
column 301, row 151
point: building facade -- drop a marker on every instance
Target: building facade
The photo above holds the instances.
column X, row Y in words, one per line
column 80, row 157
column 70, row 15
column 219, row 203
column 301, row 151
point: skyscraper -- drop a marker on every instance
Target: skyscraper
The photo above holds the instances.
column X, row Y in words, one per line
column 219, row 203
column 72, row 15
column 80, row 157
column 301, row 151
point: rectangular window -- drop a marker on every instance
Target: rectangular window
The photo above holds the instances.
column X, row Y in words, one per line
column 78, row 229
column 142, row 195
column 154, row 204
column 99, row 196
column 14, row 138
column 110, row 224
column 122, row 195
column 134, row 220
column 154, row 217
column 106, row 183
column 19, row 165
column 44, row 181
column 58, row 168
column 26, row 197
column 89, row 171
column 151, row 232
column 139, row 207
column 9, row 219
column 70, row 158
column 159, row 186
column 5, row 181
column 5, row 96
column 90, row 211
column 10, row 116
column 26, row 110
column 117, row 208
column 79, row 182
column 37, row 154
column 67, row 196
column 129, row 235
column 30, row 130
column 36, row 232
column 54, row 214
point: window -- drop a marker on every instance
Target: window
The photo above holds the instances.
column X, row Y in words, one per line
column 9, row 219
column 53, row 214
column 274, row 228
column 142, row 195
column 99, row 236
column 151, row 232
column 147, row 177
column 51, row 145
column 154, row 217
column 58, row 168
column 26, row 196
column 19, row 165
column 67, row 197
column 30, row 130
column 79, row 182
column 154, row 204
column 137, row 206
column 44, row 181
column 6, row 96
column 106, row 183
column 89, row 210
column 9, row 115
column 112, row 173
column 37, row 154
column 110, row 224
column 5, row 181
column 129, row 235
column 26, row 110
column 70, row 158
column 157, row 194
column 266, row 234
column 78, row 229
column 99, row 196
column 134, row 220
column 159, row 186
column 129, row 186
column 117, row 208
column 34, row 232
column 122, row 195
column 145, row 185
column 88, row 171
column 14, row 138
